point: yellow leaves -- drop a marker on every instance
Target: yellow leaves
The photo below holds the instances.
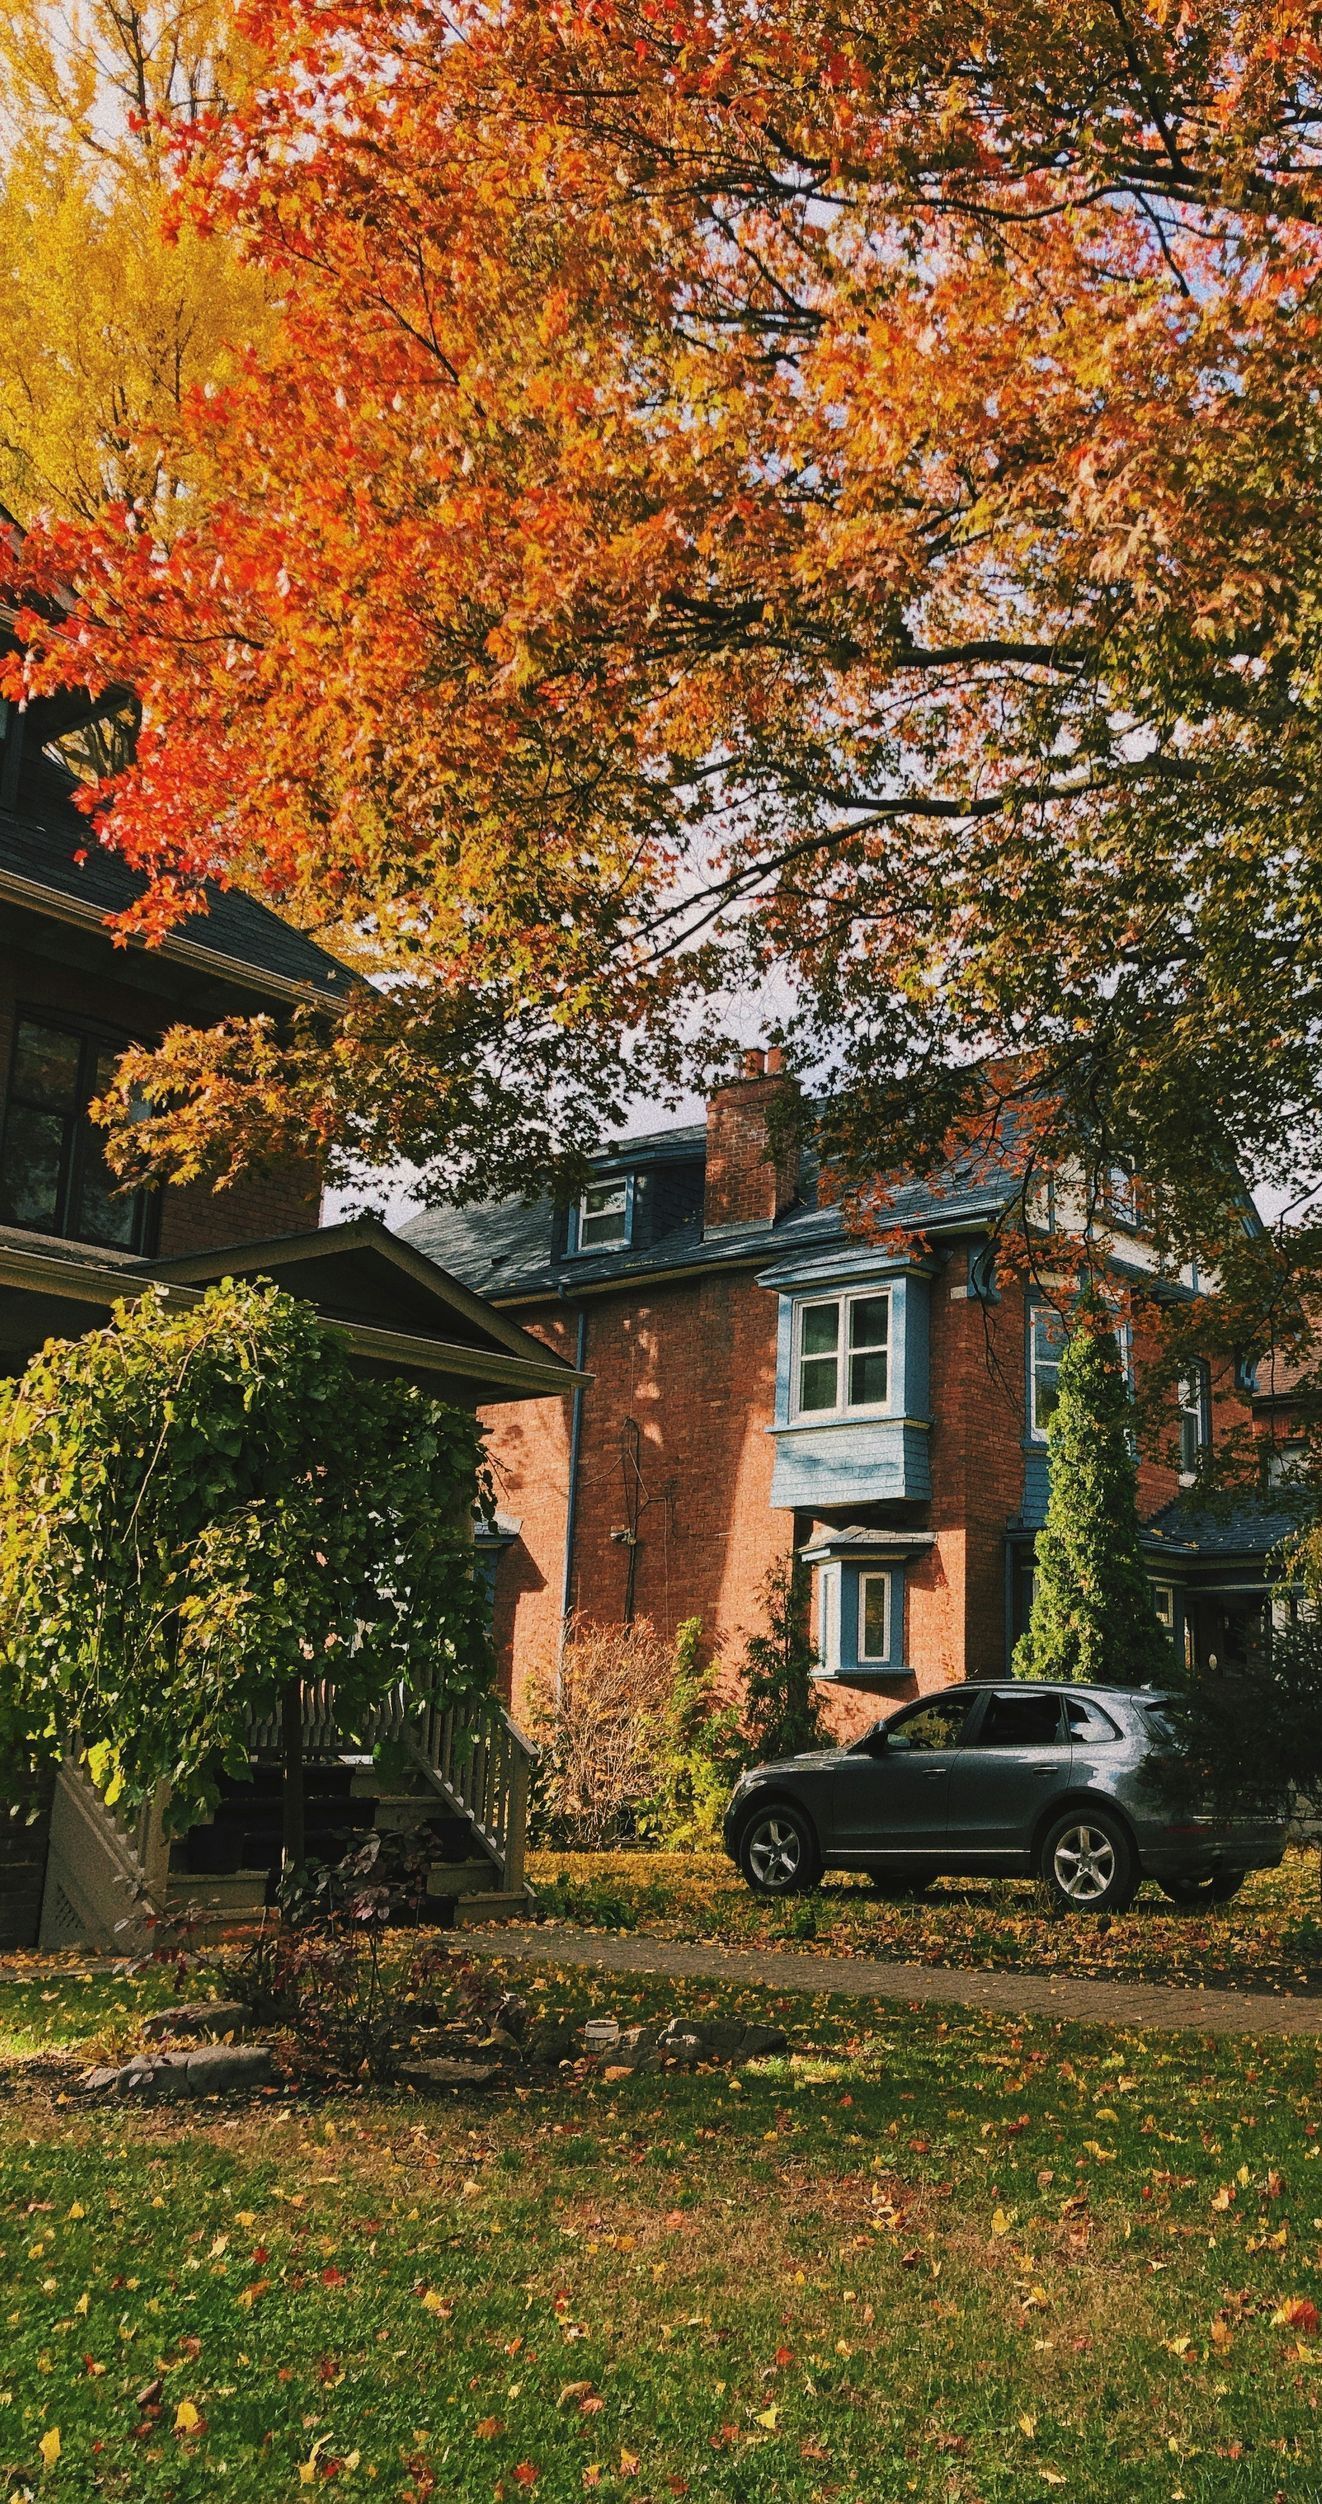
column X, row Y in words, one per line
column 245, row 2217
column 1225, row 2197
column 49, row 2447
column 1001, row 2222
column 434, row 2303
column 1102, row 2156
column 188, row 2418
column 83, row 2304
column 768, row 2417
column 76, row 2209
column 1181, row 2346
column 307, row 2470
column 1027, row 2424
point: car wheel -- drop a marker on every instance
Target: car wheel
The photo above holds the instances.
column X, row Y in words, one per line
column 1088, row 1862
column 1188, row 1893
column 778, row 1851
column 898, row 1886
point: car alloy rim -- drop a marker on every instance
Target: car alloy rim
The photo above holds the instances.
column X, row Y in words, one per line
column 1084, row 1863
column 774, row 1852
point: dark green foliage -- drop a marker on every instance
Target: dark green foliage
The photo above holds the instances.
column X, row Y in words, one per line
column 203, row 1504
column 782, row 1709
column 700, row 1750
column 1092, row 1619
column 1256, row 1733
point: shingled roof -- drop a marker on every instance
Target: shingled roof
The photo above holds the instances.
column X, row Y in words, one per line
column 40, row 840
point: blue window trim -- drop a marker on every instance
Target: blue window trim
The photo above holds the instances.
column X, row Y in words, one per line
column 839, row 1612
column 574, row 1250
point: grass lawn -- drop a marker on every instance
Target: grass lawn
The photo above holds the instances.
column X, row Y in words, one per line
column 967, row 2261
column 1269, row 1938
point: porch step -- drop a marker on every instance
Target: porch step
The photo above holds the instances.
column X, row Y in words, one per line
column 458, row 1878
column 216, row 1900
column 497, row 1905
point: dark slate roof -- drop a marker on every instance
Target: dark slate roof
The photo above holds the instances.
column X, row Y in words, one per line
column 506, row 1248
column 1233, row 1525
column 38, row 845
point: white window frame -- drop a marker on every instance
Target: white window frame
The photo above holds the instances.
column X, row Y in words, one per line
column 884, row 1575
column 1195, row 1401
column 842, row 1407
column 618, row 1187
column 1120, row 1195
column 1163, row 1605
column 1124, row 1339
column 1036, row 1313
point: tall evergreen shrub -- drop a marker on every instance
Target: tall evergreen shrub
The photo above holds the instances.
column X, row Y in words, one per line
column 1092, row 1619
column 782, row 1706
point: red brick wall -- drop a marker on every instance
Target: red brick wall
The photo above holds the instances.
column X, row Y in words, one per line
column 674, row 1441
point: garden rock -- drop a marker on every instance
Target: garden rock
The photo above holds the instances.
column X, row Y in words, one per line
column 170, row 2077
column 204, row 2021
column 433, row 2077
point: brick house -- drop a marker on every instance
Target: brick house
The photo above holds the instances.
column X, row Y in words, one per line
column 763, row 1382
column 69, row 1246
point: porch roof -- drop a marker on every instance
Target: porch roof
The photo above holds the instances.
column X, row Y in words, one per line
column 400, row 1313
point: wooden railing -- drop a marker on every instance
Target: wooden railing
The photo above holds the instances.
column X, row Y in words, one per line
column 470, row 1752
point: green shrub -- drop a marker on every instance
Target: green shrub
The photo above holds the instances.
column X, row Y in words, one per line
column 698, row 1751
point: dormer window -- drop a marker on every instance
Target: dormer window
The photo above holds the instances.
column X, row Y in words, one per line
column 843, row 1354
column 53, row 1175
column 603, row 1219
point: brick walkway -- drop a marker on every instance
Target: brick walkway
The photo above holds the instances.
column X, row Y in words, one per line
column 1174, row 2007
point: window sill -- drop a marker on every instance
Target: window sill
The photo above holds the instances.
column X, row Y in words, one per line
column 867, row 1673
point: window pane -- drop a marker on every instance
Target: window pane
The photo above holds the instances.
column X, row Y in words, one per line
column 30, row 1169
column 102, row 1215
column 817, row 1380
column 1020, row 1721
column 873, row 1595
column 819, row 1329
column 867, row 1379
column 45, row 1066
column 937, row 1726
column 1048, row 1348
column 1088, row 1722
column 869, row 1321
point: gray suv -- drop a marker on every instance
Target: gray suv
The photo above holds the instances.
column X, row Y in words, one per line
column 1061, row 1783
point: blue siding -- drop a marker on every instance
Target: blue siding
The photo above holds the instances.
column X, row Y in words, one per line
column 821, row 1463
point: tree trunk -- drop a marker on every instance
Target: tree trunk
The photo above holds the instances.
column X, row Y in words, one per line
column 293, row 1823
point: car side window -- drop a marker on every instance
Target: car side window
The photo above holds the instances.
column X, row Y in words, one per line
column 937, row 1726
column 1020, row 1721
column 1088, row 1722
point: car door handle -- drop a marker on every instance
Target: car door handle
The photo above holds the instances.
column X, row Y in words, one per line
column 934, row 1773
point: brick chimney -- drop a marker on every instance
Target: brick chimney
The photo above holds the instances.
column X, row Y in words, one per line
column 750, row 1178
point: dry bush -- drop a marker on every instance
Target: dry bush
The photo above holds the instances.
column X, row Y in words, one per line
column 598, row 1728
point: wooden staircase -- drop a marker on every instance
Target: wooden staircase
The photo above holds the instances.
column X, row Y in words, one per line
column 112, row 1882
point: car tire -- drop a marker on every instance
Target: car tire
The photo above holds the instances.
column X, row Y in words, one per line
column 1088, row 1862
column 778, row 1850
column 1189, row 1893
column 899, row 1886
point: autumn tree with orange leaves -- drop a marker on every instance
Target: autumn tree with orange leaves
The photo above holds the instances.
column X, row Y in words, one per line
column 832, row 488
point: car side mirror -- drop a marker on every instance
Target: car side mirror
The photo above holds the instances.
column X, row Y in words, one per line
column 879, row 1739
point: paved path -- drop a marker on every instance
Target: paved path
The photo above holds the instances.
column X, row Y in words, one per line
column 1172, row 2006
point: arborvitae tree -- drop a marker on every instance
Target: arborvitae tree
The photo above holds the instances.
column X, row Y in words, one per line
column 1092, row 1617
column 782, row 1710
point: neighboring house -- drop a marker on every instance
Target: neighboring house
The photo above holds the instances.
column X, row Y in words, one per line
column 70, row 1245
column 763, row 1382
